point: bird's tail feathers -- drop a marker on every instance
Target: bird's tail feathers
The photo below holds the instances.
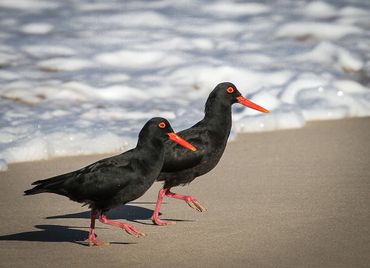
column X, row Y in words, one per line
column 35, row 190
column 46, row 185
column 52, row 179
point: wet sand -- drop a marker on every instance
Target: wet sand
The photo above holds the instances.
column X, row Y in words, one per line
column 293, row 198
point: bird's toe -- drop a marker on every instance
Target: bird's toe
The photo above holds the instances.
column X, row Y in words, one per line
column 160, row 222
column 97, row 243
column 193, row 203
column 132, row 230
column 200, row 208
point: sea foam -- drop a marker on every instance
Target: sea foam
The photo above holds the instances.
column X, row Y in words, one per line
column 83, row 80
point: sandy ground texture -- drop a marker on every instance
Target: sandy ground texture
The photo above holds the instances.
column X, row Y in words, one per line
column 295, row 198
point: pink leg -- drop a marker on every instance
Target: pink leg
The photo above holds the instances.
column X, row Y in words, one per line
column 92, row 236
column 130, row 229
column 155, row 217
column 191, row 201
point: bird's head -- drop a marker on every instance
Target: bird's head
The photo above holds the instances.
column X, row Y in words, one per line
column 228, row 93
column 160, row 128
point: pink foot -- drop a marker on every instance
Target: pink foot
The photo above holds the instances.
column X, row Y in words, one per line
column 158, row 221
column 92, row 236
column 93, row 242
column 130, row 229
column 155, row 218
column 191, row 201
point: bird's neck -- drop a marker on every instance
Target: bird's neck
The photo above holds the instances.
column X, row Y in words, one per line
column 150, row 146
column 150, row 153
column 218, row 118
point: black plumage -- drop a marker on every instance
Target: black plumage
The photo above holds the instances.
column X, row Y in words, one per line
column 209, row 136
column 116, row 180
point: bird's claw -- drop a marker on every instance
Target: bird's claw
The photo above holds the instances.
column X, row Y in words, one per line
column 92, row 242
column 159, row 222
column 193, row 203
column 132, row 230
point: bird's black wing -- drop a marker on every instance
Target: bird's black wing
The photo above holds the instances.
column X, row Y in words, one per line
column 178, row 158
column 102, row 179
column 96, row 181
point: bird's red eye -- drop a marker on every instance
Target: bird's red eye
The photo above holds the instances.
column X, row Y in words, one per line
column 162, row 125
column 230, row 90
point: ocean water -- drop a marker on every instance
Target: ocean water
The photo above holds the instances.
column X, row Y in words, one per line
column 81, row 77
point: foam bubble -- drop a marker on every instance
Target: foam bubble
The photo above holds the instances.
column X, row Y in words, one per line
column 28, row 4
column 328, row 53
column 237, row 9
column 137, row 59
column 37, row 28
column 65, row 64
column 319, row 30
column 319, row 9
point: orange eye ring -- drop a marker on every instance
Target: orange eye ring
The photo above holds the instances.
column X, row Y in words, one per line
column 230, row 90
column 162, row 125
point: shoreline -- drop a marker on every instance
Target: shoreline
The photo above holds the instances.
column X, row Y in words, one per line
column 288, row 198
column 95, row 157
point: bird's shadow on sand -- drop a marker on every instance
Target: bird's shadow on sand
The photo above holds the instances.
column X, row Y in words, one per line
column 61, row 233
column 130, row 213
column 126, row 212
column 53, row 233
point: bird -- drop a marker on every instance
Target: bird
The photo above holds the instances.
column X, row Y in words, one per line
column 116, row 180
column 210, row 136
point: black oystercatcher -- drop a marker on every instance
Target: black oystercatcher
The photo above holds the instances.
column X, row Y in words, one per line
column 116, row 180
column 209, row 136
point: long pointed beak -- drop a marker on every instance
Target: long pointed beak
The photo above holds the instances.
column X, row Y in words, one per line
column 252, row 105
column 173, row 137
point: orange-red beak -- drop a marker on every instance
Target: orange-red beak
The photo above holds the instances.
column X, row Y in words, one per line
column 173, row 137
column 252, row 105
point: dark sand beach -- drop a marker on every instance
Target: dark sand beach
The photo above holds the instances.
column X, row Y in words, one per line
column 292, row 198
